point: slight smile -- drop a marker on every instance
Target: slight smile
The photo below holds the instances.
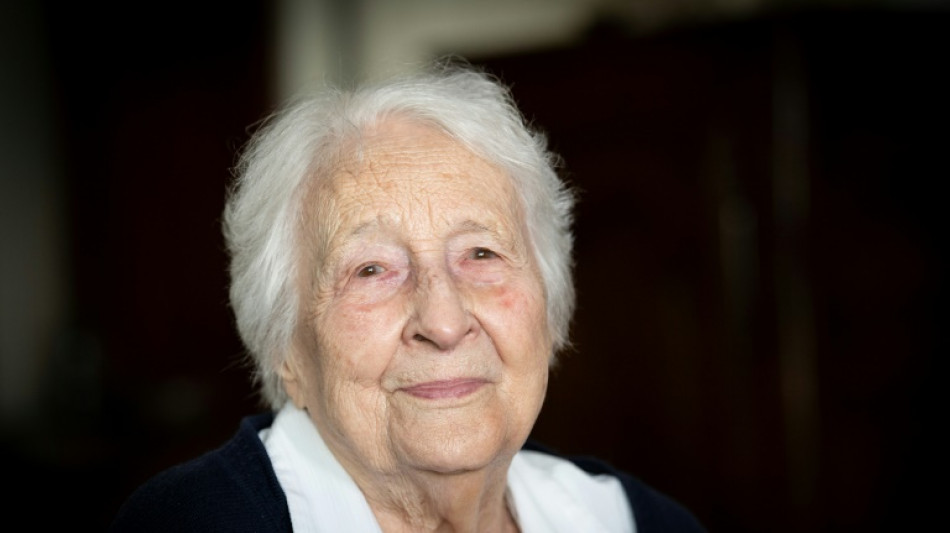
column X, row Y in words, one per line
column 451, row 388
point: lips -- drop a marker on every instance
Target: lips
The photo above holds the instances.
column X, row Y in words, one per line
column 451, row 388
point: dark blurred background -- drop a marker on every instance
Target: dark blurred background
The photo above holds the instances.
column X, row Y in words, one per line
column 760, row 272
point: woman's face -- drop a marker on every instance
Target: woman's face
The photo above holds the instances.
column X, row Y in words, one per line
column 424, row 343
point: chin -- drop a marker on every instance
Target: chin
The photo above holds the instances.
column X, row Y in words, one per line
column 458, row 453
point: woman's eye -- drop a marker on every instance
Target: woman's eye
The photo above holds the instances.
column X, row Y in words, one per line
column 483, row 253
column 369, row 271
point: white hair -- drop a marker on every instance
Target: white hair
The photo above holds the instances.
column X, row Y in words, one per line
column 299, row 143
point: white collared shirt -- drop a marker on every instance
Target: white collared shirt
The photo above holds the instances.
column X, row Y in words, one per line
column 545, row 493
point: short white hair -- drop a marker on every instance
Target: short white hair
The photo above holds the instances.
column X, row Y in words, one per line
column 297, row 145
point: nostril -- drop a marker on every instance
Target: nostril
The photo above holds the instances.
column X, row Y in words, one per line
column 418, row 337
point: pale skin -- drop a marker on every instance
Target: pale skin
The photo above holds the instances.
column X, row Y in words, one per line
column 422, row 354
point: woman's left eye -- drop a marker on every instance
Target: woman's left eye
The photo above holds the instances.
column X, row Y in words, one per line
column 483, row 253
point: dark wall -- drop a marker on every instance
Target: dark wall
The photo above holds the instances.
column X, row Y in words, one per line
column 759, row 265
column 151, row 103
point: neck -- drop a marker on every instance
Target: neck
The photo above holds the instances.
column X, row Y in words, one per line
column 432, row 501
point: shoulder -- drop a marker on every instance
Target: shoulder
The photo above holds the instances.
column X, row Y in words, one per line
column 232, row 488
column 653, row 511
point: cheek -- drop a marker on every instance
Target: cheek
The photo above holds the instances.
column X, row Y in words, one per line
column 518, row 314
column 509, row 300
column 528, row 304
column 359, row 341
column 348, row 323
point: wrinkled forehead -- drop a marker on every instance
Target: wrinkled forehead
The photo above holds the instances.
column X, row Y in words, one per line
column 404, row 174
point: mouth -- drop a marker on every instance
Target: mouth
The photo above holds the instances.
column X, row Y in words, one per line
column 450, row 388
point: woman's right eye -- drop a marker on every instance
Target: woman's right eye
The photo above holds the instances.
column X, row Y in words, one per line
column 369, row 271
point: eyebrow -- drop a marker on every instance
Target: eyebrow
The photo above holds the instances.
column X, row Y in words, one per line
column 363, row 228
column 502, row 234
column 466, row 226
column 470, row 226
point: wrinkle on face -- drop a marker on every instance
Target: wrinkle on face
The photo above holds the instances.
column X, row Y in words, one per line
column 418, row 203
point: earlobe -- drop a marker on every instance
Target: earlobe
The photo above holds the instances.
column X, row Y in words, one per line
column 290, row 377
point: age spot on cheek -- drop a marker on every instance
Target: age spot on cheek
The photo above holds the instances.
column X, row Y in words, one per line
column 507, row 298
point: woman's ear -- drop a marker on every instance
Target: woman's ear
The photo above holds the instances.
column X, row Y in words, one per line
column 292, row 379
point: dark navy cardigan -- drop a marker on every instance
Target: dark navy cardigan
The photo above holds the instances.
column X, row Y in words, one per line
column 234, row 488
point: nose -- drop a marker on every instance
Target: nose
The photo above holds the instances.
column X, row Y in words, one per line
column 440, row 316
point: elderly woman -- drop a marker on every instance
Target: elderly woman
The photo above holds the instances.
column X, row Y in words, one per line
column 401, row 275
